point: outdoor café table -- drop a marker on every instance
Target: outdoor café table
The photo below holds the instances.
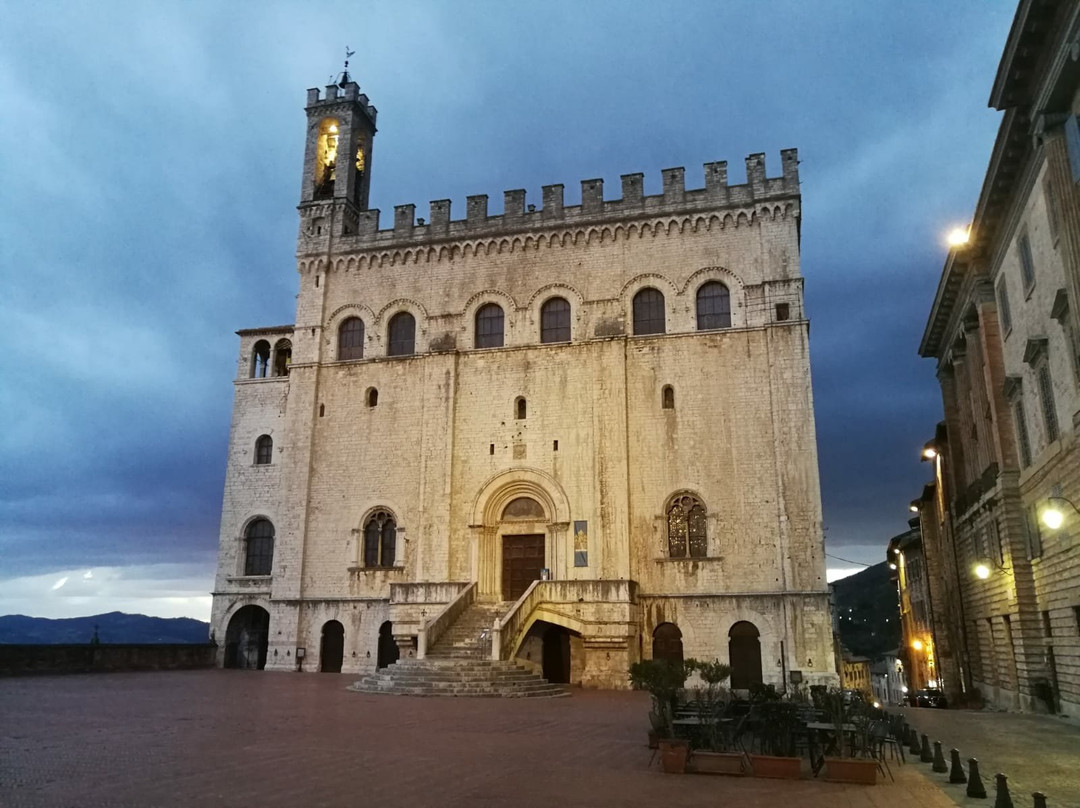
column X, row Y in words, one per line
column 830, row 739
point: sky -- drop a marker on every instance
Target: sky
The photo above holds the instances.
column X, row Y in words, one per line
column 150, row 162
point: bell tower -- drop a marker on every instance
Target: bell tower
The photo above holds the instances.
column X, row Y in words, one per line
column 337, row 159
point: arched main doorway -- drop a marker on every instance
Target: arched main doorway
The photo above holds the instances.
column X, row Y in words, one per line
column 246, row 638
column 332, row 648
column 744, row 653
column 388, row 649
column 667, row 642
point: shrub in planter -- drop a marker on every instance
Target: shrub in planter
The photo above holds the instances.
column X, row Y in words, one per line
column 845, row 767
column 719, row 763
column 785, row 768
column 674, row 753
column 663, row 679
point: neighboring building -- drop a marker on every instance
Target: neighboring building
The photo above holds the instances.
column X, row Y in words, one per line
column 855, row 673
column 1005, row 329
column 888, row 680
column 593, row 420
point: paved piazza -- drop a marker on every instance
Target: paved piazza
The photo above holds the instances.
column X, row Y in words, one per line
column 238, row 738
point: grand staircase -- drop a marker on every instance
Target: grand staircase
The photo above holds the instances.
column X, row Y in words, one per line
column 460, row 664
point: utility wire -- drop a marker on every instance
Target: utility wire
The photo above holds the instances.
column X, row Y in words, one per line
column 848, row 560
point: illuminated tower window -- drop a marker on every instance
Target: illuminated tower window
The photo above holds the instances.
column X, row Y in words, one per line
column 326, row 158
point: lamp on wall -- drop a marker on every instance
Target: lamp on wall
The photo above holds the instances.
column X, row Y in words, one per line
column 1053, row 516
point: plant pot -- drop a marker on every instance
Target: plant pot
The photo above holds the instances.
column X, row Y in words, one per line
column 654, row 740
column 784, row 768
column 673, row 755
column 733, row 763
column 851, row 770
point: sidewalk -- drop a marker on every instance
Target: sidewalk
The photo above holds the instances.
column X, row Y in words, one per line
column 1036, row 752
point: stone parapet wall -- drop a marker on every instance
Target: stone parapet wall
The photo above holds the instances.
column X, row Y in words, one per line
column 23, row 660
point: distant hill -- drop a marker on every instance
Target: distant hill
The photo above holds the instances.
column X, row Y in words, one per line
column 866, row 604
column 114, row 627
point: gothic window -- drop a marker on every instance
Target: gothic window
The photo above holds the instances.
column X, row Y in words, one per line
column 555, row 321
column 402, row 334
column 351, row 339
column 264, row 450
column 713, row 306
column 668, row 397
column 260, row 359
column 649, row 315
column 489, row 326
column 326, row 148
column 282, row 357
column 380, row 540
column 259, row 550
column 686, row 528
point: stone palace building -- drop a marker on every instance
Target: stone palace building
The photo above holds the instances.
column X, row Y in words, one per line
column 583, row 433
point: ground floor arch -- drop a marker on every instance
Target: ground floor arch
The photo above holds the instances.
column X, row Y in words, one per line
column 388, row 651
column 554, row 651
column 744, row 654
column 667, row 643
column 332, row 647
column 247, row 638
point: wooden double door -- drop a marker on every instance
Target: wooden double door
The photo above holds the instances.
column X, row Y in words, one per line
column 522, row 560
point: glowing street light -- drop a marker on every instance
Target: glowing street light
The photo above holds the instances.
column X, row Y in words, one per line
column 1053, row 518
column 958, row 237
column 982, row 571
column 917, row 645
column 929, row 453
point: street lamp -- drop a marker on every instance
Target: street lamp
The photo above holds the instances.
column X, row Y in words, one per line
column 1053, row 517
column 982, row 571
column 958, row 237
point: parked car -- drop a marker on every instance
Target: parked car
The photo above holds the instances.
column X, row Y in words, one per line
column 931, row 697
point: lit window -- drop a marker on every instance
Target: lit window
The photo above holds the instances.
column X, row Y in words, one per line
column 686, row 528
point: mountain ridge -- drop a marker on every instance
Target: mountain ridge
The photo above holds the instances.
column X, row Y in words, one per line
column 111, row 627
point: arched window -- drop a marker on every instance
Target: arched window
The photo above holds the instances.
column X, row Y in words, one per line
column 326, row 158
column 555, row 321
column 649, row 315
column 667, row 643
column 264, row 450
column 744, row 655
column 713, row 306
column 489, row 326
column 686, row 528
column 380, row 540
column 351, row 339
column 520, row 409
column 259, row 552
column 372, row 397
column 667, row 397
column 260, row 359
column 282, row 357
column 402, row 333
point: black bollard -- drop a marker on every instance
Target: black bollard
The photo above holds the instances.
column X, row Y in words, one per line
column 1040, row 799
column 1003, row 798
column 975, row 785
column 956, row 773
column 913, row 742
column 939, row 759
column 925, row 755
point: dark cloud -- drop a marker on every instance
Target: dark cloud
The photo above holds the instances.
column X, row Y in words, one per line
column 152, row 160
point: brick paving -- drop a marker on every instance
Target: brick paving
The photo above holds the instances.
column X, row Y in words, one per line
column 1036, row 752
column 237, row 738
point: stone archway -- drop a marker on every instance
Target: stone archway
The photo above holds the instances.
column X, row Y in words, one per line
column 332, row 647
column 520, row 518
column 744, row 654
column 247, row 638
column 388, row 652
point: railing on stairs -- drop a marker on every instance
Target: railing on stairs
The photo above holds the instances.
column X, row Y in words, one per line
column 431, row 630
column 504, row 633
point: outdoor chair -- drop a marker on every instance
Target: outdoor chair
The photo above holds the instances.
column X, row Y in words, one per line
column 878, row 737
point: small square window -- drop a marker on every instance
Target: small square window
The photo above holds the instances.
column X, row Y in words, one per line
column 783, row 312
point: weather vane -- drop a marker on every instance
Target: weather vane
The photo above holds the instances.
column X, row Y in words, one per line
column 345, row 79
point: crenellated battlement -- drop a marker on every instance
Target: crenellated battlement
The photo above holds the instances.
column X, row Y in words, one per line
column 337, row 94
column 518, row 215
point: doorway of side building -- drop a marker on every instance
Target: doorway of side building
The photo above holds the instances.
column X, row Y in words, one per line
column 246, row 639
column 332, row 648
column 388, row 649
column 744, row 653
column 522, row 560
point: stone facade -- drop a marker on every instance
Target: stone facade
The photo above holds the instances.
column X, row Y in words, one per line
column 1004, row 329
column 606, row 431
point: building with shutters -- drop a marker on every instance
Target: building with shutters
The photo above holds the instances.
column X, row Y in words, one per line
column 1000, row 524
column 592, row 420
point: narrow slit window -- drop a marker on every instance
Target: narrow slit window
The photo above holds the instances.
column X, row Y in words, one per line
column 491, row 449
column 520, row 410
column 373, row 397
column 554, row 446
column 668, row 397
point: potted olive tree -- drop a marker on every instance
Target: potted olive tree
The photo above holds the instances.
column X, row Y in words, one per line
column 664, row 679
column 850, row 764
column 779, row 723
column 714, row 757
